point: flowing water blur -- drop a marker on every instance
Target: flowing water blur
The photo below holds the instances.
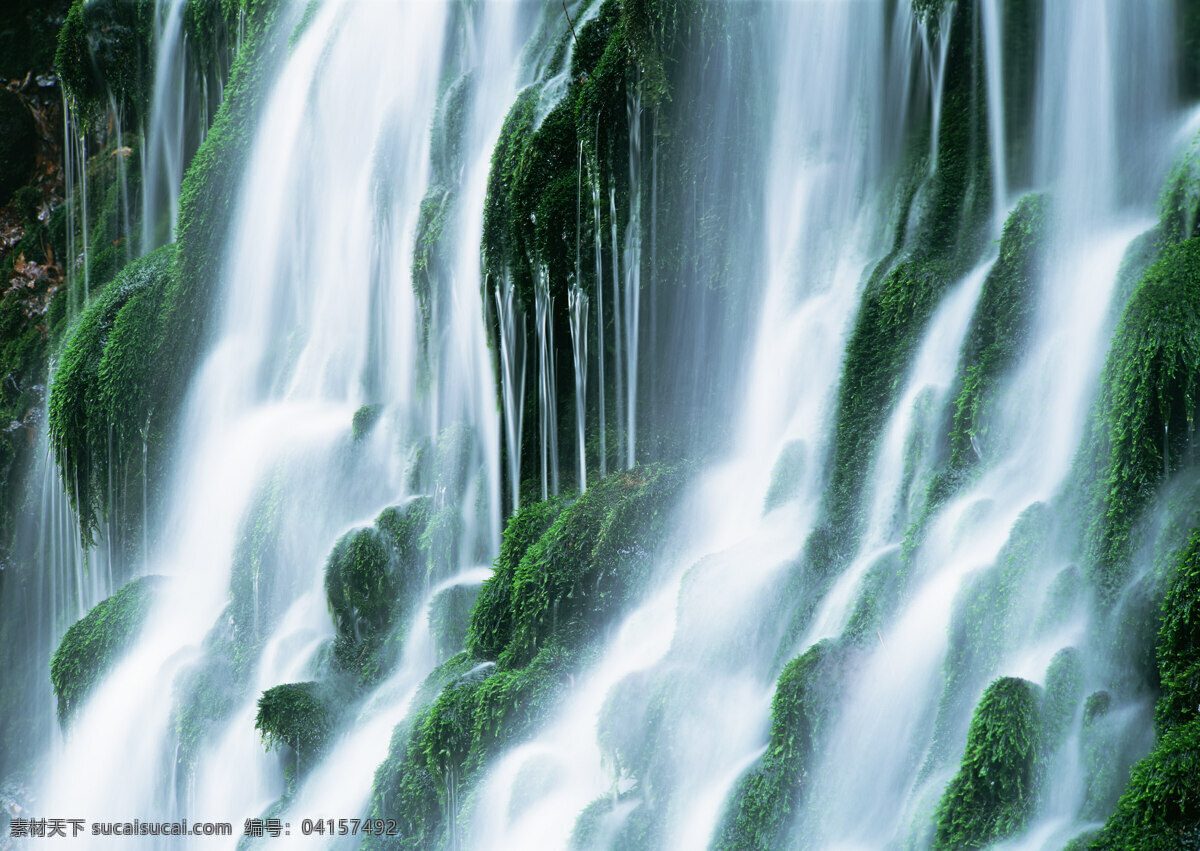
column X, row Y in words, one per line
column 319, row 318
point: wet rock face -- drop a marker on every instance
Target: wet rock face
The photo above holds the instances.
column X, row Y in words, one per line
column 18, row 144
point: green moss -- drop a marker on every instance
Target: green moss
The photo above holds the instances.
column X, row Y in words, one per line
column 449, row 617
column 372, row 580
column 985, row 621
column 107, row 46
column 1099, row 744
column 297, row 715
column 878, row 597
column 1179, row 642
column 532, row 615
column 1147, row 405
column 364, row 421
column 1064, row 691
column 991, row 796
column 999, row 330
column 1160, row 810
column 764, row 800
column 491, row 625
column 591, row 558
column 96, row 642
column 102, row 407
column 1179, row 206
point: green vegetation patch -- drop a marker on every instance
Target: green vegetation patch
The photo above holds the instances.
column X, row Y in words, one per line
column 992, row 795
column 97, row 641
column 766, row 798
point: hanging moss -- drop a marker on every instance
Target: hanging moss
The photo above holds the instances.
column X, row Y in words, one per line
column 102, row 405
column 992, row 795
column 297, row 715
column 107, row 46
column 96, row 642
column 766, row 798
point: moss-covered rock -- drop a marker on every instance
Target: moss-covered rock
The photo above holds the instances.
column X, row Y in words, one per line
column 1179, row 642
column 1063, row 694
column 491, row 625
column 1147, row 406
column 372, row 580
column 297, row 715
column 1160, row 810
column 766, row 798
column 364, row 421
column 102, row 405
column 563, row 570
column 107, row 47
column 985, row 621
column 96, row 642
column 999, row 329
column 591, row 558
column 991, row 796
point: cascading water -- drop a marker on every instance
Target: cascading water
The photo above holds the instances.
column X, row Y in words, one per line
column 831, row 286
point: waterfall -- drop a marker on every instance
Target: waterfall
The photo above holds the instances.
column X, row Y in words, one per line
column 512, row 377
column 579, row 311
column 164, row 149
column 885, row 310
column 594, row 181
column 547, row 381
column 632, row 257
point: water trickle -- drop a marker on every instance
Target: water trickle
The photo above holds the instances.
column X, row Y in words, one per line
column 547, row 383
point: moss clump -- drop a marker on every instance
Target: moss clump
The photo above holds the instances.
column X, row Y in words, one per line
column 768, row 795
column 364, row 421
column 1179, row 642
column 107, row 46
column 1064, row 691
column 371, row 581
column 1160, row 810
column 991, row 796
column 1147, row 407
column 985, row 619
column 296, row 715
column 591, row 558
column 96, row 641
column 449, row 618
column 491, row 625
column 563, row 570
column 999, row 329
column 1161, row 805
column 102, row 405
